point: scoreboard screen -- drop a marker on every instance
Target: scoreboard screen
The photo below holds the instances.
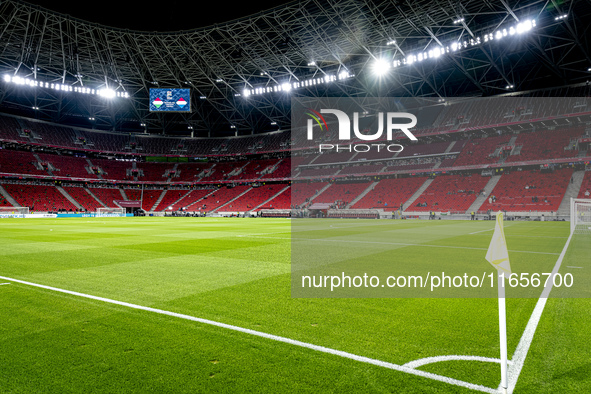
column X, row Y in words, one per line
column 170, row 100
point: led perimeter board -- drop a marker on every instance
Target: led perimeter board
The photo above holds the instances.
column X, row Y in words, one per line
column 170, row 100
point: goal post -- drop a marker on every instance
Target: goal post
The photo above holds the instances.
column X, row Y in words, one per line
column 110, row 212
column 580, row 216
column 13, row 212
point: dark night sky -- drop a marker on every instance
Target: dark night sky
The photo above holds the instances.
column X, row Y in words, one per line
column 161, row 15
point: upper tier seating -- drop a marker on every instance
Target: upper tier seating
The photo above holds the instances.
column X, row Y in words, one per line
column 479, row 151
column 546, row 144
column 67, row 166
column 19, row 162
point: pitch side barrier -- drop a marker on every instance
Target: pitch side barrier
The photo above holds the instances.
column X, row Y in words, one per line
column 413, row 215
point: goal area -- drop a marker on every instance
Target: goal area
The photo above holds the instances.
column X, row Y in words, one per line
column 110, row 212
column 580, row 216
column 13, row 212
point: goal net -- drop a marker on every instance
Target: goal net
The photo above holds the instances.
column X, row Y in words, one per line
column 110, row 212
column 580, row 216
column 13, row 212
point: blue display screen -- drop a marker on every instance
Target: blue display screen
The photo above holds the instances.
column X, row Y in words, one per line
column 170, row 100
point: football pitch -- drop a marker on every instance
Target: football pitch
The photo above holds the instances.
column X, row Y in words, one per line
column 187, row 305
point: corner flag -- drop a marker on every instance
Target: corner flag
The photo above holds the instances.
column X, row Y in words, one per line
column 498, row 256
column 497, row 253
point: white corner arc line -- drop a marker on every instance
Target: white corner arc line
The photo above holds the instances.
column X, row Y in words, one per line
column 294, row 342
column 1, row 284
column 528, row 334
column 430, row 360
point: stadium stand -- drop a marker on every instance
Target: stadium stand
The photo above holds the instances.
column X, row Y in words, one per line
column 527, row 191
column 480, row 151
column 40, row 198
column 255, row 197
column 170, row 198
column 546, row 144
column 341, row 194
column 67, row 166
column 281, row 201
column 107, row 195
column 20, row 162
column 223, row 198
column 350, row 173
column 389, row 194
column 585, row 191
column 451, row 193
column 80, row 194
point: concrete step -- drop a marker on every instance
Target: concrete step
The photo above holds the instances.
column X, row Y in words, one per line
column 572, row 191
column 70, row 198
column 100, row 176
column 8, row 197
column 450, row 147
column 363, row 194
column 95, row 197
column 488, row 188
column 412, row 199
column 195, row 202
column 319, row 192
column 158, row 201
column 183, row 196
column 270, row 199
column 232, row 200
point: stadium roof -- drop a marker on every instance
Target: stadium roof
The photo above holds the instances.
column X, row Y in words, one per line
column 165, row 16
column 242, row 72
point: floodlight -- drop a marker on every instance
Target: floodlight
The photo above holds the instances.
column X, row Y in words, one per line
column 107, row 93
column 381, row 67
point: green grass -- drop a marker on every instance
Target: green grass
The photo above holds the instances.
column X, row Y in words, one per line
column 220, row 269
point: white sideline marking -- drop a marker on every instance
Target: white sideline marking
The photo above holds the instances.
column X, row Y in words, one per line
column 429, row 360
column 476, row 232
column 528, row 334
column 395, row 367
column 397, row 243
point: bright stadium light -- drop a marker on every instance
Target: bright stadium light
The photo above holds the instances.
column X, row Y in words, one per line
column 106, row 93
column 455, row 46
column 380, row 67
column 286, row 87
column 33, row 83
column 302, row 83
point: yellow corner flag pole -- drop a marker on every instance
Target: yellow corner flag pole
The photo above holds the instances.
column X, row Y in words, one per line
column 498, row 256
